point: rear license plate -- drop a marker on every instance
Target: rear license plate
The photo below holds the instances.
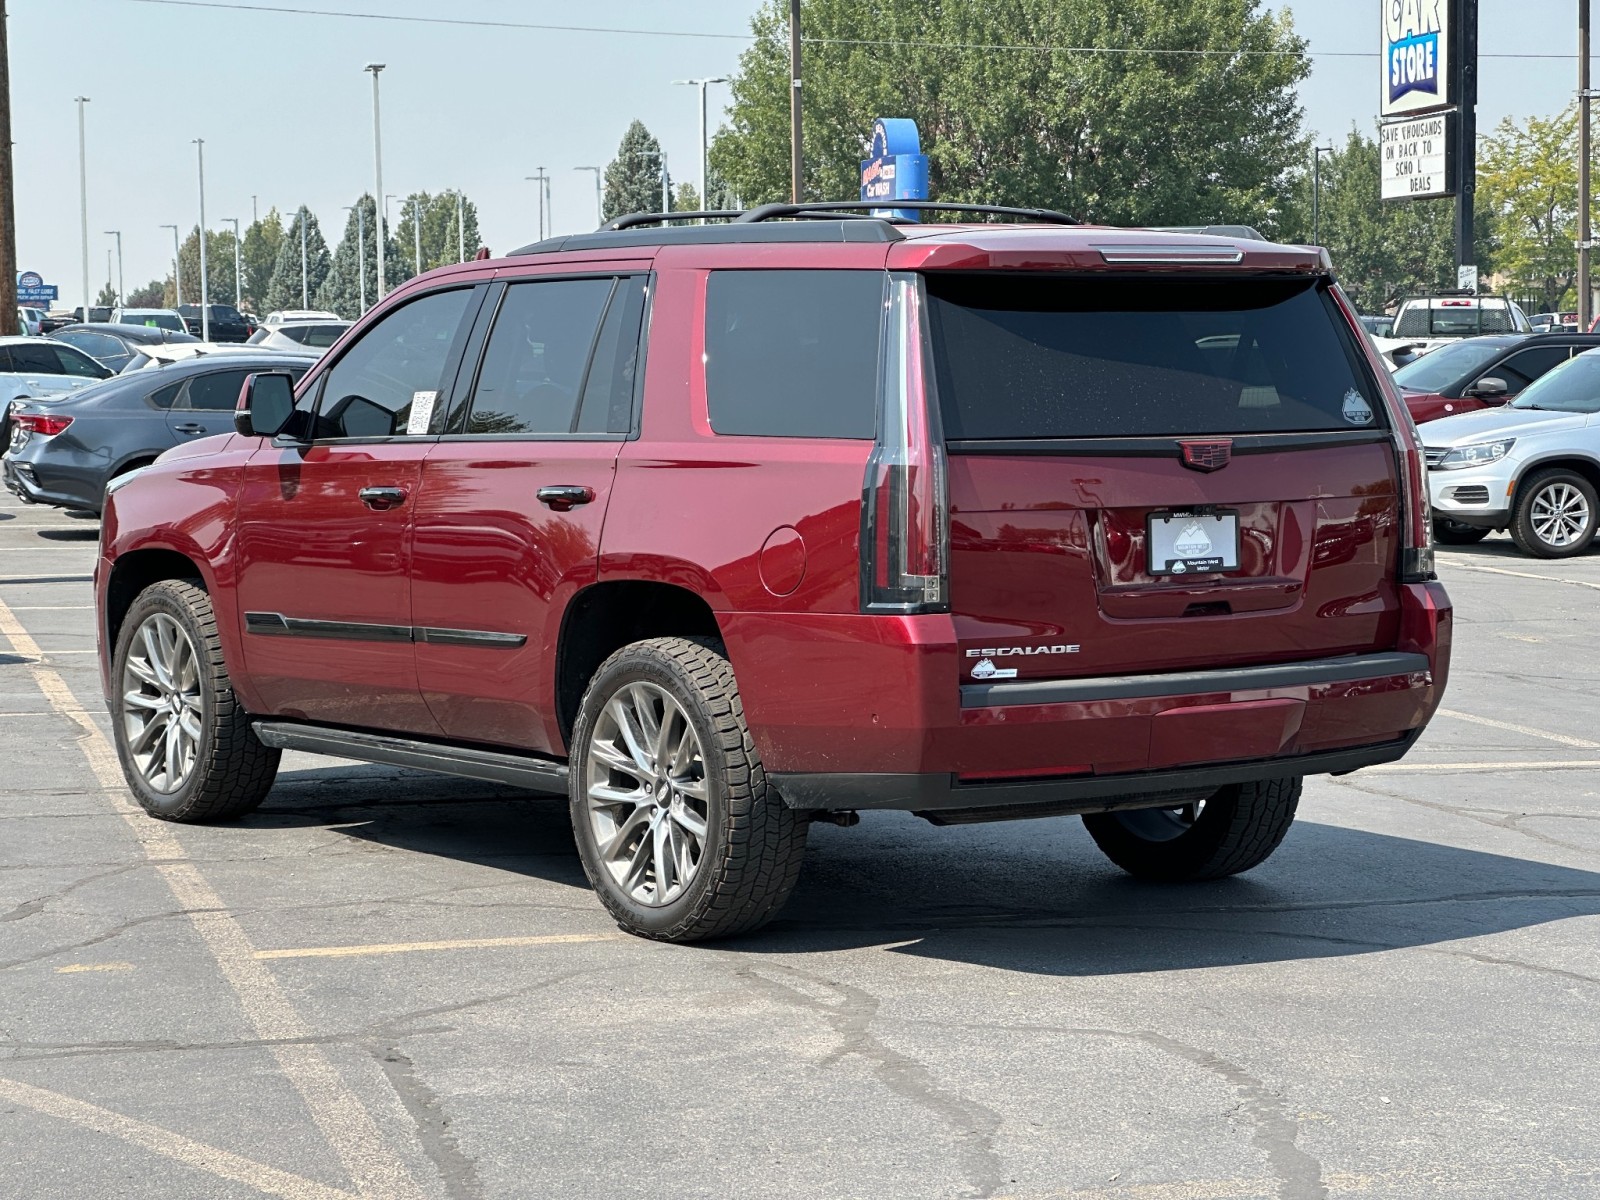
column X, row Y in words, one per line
column 1190, row 543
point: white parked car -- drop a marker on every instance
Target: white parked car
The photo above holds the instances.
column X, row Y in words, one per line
column 1428, row 322
column 39, row 368
column 288, row 315
column 154, row 318
column 297, row 337
column 1531, row 467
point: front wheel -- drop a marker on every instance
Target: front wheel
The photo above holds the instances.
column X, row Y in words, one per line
column 185, row 742
column 1233, row 830
column 1555, row 515
column 680, row 834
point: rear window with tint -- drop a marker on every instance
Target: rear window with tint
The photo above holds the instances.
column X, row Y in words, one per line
column 793, row 353
column 1056, row 357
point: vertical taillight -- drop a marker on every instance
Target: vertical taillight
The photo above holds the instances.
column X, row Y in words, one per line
column 905, row 512
column 1416, row 513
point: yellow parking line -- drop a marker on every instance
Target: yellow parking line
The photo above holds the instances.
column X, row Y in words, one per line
column 78, row 968
column 549, row 939
column 164, row 1142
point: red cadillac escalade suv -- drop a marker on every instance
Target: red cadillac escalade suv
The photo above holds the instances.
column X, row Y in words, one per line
column 723, row 529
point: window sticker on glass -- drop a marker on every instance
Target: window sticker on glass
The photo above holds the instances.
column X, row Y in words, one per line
column 421, row 413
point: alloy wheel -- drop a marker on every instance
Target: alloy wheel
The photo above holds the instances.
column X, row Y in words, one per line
column 1559, row 514
column 161, row 708
column 648, row 799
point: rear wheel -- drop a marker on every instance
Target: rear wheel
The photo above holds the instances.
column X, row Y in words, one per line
column 1453, row 533
column 185, row 742
column 1233, row 830
column 680, row 834
column 1556, row 514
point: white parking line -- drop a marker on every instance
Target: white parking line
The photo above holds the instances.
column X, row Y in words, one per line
column 1526, row 730
column 1572, row 764
column 1468, row 565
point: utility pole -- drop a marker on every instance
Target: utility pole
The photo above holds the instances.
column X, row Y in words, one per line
column 538, row 184
column 205, row 285
column 177, row 268
column 238, row 276
column 797, row 164
column 8, row 207
column 1585, row 95
column 305, row 276
column 1467, row 127
column 83, row 203
column 599, row 194
column 122, row 296
column 377, row 165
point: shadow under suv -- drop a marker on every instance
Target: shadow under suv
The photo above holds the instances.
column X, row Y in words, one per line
column 720, row 530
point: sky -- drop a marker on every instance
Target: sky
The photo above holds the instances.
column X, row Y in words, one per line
column 285, row 107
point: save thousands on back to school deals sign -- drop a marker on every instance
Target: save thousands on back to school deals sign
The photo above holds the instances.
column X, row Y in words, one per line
column 1415, row 139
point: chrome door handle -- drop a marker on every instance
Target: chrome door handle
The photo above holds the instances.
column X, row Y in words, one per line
column 565, row 497
column 190, row 427
column 381, row 499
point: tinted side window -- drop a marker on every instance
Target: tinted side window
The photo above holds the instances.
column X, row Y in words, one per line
column 607, row 405
column 40, row 359
column 1523, row 368
column 217, row 391
column 163, row 397
column 793, row 353
column 76, row 362
column 402, row 358
column 537, row 357
column 101, row 345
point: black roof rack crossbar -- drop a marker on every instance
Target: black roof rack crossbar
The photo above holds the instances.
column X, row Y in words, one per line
column 635, row 220
column 771, row 212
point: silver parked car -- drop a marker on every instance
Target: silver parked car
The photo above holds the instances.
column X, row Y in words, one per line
column 36, row 366
column 300, row 336
column 1531, row 467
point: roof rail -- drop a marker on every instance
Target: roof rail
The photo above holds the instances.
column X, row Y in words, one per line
column 832, row 209
column 636, row 219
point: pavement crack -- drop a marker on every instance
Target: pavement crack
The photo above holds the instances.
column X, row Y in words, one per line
column 456, row 1168
column 850, row 1011
column 37, row 905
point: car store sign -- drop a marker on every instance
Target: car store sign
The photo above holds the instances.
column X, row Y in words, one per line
column 1416, row 56
column 1415, row 158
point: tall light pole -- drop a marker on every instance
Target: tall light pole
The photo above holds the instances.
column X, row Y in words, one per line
column 122, row 296
column 702, row 84
column 1585, row 95
column 461, row 225
column 797, row 162
column 361, row 250
column 205, row 287
column 377, row 168
column 1316, row 192
column 305, row 275
column 255, row 211
column 416, row 231
column 599, row 195
column 83, row 202
column 177, row 268
column 538, row 185
column 666, row 185
column 238, row 276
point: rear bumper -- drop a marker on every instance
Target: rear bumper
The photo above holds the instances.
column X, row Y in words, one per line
column 22, row 480
column 943, row 799
column 855, row 711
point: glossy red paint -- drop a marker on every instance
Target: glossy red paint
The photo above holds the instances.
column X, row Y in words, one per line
column 1044, row 551
column 1430, row 406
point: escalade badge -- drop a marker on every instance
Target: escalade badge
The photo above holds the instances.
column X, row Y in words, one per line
column 1207, row 456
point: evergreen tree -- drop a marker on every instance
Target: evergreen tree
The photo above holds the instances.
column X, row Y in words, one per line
column 151, row 295
column 349, row 280
column 633, row 179
column 108, row 295
column 259, row 250
column 442, row 241
column 219, row 266
column 285, row 290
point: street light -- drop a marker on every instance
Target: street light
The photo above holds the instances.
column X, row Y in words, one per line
column 238, row 276
column 361, row 250
column 461, row 225
column 702, row 84
column 305, row 277
column 1316, row 193
column 377, row 167
column 122, row 296
column 205, row 290
column 83, row 202
column 416, row 230
column 177, row 269
column 539, row 181
column 599, row 195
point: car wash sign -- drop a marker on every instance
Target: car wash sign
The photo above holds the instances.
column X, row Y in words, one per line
column 898, row 169
column 1416, row 56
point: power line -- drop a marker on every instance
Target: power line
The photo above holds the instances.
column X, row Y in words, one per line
column 481, row 23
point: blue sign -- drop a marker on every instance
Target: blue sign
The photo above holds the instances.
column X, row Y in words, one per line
column 32, row 289
column 897, row 170
column 1414, row 65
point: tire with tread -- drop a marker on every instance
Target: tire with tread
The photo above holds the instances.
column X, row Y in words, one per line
column 1239, row 828
column 755, row 842
column 233, row 769
column 1522, row 531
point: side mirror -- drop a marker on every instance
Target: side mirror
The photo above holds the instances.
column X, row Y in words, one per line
column 266, row 403
column 1489, row 388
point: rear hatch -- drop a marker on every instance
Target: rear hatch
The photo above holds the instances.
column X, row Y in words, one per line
column 1153, row 474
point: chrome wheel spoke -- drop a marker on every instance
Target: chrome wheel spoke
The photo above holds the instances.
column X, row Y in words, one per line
column 142, row 700
column 690, row 821
column 162, row 712
column 616, row 849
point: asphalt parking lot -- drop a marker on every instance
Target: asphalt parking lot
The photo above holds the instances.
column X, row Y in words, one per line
column 386, row 984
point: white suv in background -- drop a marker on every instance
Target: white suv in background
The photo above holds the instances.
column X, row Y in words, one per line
column 1428, row 322
column 1531, row 467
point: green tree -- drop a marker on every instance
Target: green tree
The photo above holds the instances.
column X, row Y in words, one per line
column 633, row 178
column 219, row 266
column 1528, row 178
column 344, row 288
column 151, row 295
column 1013, row 110
column 685, row 198
column 108, row 295
column 442, row 241
column 259, row 250
column 285, row 290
